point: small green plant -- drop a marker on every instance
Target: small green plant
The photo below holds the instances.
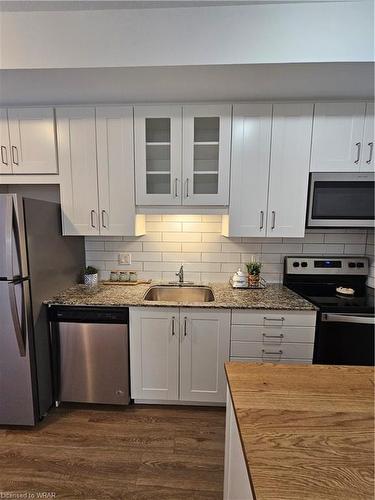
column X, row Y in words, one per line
column 90, row 270
column 253, row 267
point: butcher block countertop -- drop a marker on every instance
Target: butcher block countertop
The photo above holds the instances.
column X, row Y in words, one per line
column 307, row 431
column 273, row 297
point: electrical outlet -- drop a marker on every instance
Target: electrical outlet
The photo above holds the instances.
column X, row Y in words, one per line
column 124, row 258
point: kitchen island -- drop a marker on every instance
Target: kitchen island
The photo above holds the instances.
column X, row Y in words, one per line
column 299, row 432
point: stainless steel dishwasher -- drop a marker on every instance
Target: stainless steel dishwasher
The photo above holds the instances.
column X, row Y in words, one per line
column 90, row 352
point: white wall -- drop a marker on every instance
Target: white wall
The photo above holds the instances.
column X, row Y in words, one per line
column 195, row 241
column 267, row 33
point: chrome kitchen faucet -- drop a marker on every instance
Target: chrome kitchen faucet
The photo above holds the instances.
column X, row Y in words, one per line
column 180, row 274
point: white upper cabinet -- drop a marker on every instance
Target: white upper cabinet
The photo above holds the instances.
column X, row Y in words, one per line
column 158, row 143
column 367, row 163
column 250, row 169
column 269, row 177
column 77, row 156
column 289, row 169
column 97, row 171
column 205, row 344
column 337, row 144
column 6, row 161
column 154, row 353
column 31, row 144
column 182, row 154
column 114, row 135
column 206, row 154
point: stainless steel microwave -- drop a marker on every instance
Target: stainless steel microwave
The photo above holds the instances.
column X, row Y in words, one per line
column 341, row 200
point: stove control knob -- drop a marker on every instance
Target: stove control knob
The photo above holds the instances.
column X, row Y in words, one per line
column 360, row 264
column 351, row 264
column 304, row 264
column 295, row 264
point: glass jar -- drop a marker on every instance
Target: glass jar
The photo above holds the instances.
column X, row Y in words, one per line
column 124, row 276
column 114, row 276
column 132, row 276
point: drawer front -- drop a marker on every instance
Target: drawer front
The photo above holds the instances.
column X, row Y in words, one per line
column 272, row 352
column 284, row 361
column 269, row 335
column 273, row 318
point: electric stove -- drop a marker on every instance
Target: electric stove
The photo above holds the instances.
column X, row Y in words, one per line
column 345, row 323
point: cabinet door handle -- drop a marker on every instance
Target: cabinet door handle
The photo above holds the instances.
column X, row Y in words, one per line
column 4, row 149
column 273, row 319
column 104, row 213
column 273, row 224
column 176, row 188
column 15, row 150
column 92, row 216
column 187, row 187
column 185, row 326
column 261, row 225
column 371, row 146
column 173, row 325
column 265, row 336
column 279, row 353
column 358, row 144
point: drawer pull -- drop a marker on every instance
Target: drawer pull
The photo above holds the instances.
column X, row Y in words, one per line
column 279, row 353
column 281, row 336
column 274, row 319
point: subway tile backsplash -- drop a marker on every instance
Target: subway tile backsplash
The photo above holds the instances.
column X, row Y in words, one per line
column 195, row 241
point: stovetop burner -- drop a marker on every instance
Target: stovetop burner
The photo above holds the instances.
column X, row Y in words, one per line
column 318, row 284
column 340, row 303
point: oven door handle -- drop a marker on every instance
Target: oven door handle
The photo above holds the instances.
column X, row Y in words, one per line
column 347, row 318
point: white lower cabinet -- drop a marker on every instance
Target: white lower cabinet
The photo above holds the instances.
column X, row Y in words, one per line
column 179, row 354
column 154, row 353
column 205, row 340
column 273, row 336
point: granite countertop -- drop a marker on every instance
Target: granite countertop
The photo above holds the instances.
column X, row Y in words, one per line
column 273, row 297
column 306, row 430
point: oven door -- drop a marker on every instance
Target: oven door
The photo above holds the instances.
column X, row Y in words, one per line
column 345, row 339
column 341, row 200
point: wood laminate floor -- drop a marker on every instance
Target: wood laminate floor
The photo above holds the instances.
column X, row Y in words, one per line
column 94, row 453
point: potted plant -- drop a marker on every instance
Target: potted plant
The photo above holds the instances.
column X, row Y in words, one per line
column 90, row 276
column 253, row 269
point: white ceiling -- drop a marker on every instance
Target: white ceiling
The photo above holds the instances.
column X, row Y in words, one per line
column 66, row 5
column 187, row 83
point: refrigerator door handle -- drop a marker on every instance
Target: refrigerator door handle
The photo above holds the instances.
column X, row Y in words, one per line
column 18, row 325
column 8, row 238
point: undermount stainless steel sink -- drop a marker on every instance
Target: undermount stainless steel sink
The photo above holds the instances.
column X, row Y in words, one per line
column 165, row 293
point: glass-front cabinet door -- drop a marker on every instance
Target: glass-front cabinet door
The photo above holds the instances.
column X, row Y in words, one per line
column 158, row 131
column 206, row 154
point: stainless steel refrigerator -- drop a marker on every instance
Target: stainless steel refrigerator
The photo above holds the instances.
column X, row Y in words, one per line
column 36, row 262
